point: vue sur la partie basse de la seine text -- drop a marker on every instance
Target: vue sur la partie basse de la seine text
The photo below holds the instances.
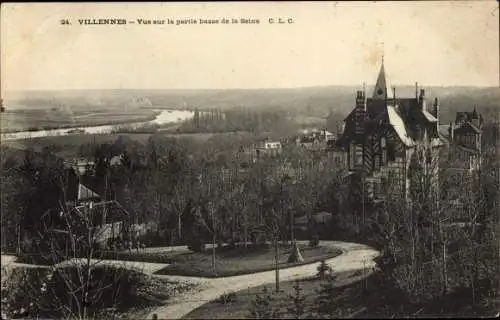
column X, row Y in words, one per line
column 178, row 22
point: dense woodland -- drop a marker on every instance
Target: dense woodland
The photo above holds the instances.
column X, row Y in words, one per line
column 184, row 188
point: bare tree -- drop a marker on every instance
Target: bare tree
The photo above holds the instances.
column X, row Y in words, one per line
column 76, row 286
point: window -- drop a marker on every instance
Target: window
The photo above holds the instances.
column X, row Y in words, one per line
column 359, row 155
column 351, row 156
column 428, row 156
column 391, row 152
column 384, row 185
column 382, row 142
column 359, row 160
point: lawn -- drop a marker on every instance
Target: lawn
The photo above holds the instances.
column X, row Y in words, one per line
column 240, row 260
column 229, row 261
column 349, row 299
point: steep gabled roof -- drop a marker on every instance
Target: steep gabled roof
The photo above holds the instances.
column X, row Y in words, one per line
column 375, row 107
column 468, row 127
column 85, row 193
column 429, row 116
column 111, row 211
column 399, row 126
column 465, row 115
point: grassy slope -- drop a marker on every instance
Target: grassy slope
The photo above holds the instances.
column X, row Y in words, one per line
column 241, row 305
column 380, row 300
column 20, row 286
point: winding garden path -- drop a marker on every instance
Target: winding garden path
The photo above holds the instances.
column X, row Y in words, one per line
column 354, row 257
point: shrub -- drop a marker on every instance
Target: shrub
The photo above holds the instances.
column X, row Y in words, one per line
column 258, row 238
column 314, row 241
column 298, row 308
column 17, row 288
column 261, row 307
column 196, row 245
column 227, row 298
column 42, row 292
column 325, row 306
column 152, row 239
column 324, row 270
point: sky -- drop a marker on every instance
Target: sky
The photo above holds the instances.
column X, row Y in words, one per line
column 328, row 43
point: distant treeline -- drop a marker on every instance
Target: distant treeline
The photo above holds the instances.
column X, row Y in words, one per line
column 238, row 119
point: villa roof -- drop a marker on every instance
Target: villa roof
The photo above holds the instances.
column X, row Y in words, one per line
column 468, row 127
column 85, row 193
column 408, row 117
column 399, row 126
column 466, row 115
column 429, row 116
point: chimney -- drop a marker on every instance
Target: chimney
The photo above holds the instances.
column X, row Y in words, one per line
column 435, row 108
column 451, row 128
column 421, row 100
column 360, row 100
column 422, row 93
column 416, row 90
column 360, row 112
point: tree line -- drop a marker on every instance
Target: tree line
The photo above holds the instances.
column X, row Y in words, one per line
column 238, row 119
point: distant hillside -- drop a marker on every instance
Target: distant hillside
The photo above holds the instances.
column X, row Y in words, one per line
column 310, row 101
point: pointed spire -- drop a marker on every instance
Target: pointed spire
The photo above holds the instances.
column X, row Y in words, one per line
column 474, row 113
column 380, row 90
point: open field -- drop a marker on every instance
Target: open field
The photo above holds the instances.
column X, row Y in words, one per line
column 55, row 118
column 237, row 261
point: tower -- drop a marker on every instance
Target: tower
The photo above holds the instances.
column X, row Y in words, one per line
column 380, row 90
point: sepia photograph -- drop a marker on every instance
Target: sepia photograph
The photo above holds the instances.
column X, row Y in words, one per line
column 250, row 160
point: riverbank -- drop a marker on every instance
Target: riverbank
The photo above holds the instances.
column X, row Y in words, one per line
column 102, row 122
column 160, row 117
column 20, row 120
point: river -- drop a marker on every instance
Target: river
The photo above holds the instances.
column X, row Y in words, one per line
column 165, row 116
